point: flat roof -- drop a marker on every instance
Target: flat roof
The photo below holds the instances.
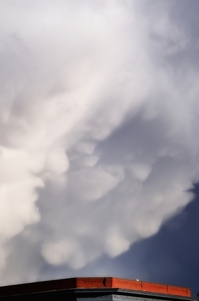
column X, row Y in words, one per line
column 93, row 283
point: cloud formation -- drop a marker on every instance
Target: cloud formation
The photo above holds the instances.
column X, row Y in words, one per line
column 98, row 118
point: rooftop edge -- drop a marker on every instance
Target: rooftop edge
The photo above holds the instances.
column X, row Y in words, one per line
column 93, row 282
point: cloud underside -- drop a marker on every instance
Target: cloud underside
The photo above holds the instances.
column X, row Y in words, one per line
column 98, row 119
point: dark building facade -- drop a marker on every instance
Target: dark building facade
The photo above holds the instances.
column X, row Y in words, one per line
column 95, row 289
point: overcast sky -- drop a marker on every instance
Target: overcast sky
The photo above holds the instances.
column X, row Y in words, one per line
column 99, row 147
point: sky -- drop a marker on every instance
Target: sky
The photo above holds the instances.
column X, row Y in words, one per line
column 99, row 143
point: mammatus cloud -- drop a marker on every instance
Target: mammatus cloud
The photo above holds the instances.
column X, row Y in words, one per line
column 98, row 118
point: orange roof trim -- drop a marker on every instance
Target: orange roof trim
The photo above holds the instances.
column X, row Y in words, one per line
column 137, row 285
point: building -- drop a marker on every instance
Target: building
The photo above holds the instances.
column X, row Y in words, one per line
column 95, row 289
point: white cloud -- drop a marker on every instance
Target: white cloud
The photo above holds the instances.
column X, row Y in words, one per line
column 91, row 184
column 98, row 118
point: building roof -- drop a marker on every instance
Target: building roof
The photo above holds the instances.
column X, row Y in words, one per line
column 99, row 283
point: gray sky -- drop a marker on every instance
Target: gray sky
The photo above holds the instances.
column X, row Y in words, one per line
column 98, row 143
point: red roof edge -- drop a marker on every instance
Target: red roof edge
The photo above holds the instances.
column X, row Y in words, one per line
column 94, row 282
